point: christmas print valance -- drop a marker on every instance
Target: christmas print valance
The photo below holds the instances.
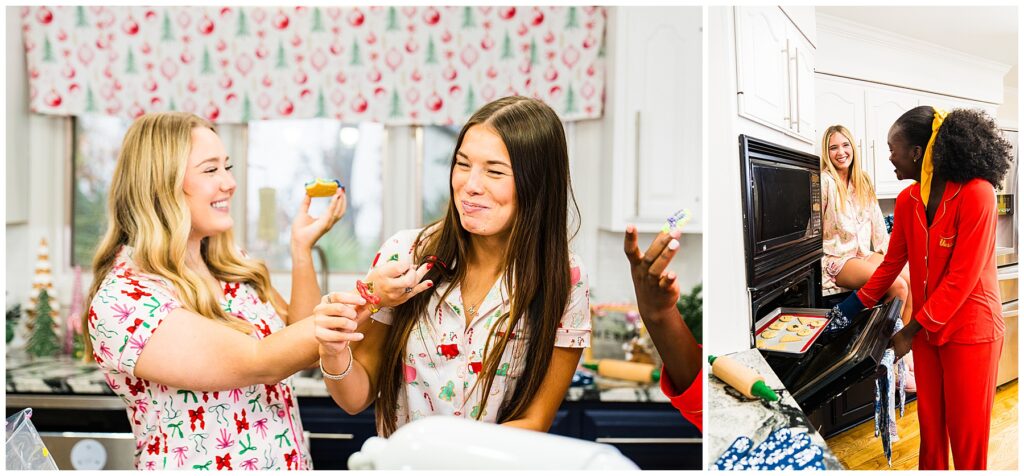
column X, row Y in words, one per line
column 396, row 65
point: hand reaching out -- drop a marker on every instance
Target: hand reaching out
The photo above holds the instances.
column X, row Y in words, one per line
column 306, row 230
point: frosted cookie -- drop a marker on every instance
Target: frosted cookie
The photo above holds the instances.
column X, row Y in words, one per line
column 777, row 325
column 789, row 338
column 769, row 334
column 785, row 318
column 322, row 188
column 804, row 332
column 794, row 327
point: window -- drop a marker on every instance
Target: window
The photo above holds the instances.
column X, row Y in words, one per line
column 284, row 155
column 97, row 141
column 438, row 149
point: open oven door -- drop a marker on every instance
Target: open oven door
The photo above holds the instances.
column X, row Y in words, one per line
column 837, row 362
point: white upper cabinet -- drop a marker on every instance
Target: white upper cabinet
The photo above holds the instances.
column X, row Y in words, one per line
column 655, row 110
column 774, row 71
column 840, row 103
column 883, row 108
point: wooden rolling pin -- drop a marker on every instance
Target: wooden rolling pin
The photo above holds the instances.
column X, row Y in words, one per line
column 624, row 370
column 745, row 379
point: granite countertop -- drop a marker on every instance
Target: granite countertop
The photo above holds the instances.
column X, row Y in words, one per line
column 64, row 376
column 735, row 415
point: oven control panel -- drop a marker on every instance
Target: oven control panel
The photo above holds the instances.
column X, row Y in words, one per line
column 815, row 204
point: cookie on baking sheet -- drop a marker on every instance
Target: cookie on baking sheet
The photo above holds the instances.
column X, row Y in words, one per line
column 794, row 327
column 769, row 334
column 785, row 318
column 803, row 332
column 777, row 326
column 790, row 338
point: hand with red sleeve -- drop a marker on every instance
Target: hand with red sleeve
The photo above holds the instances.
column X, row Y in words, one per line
column 657, row 292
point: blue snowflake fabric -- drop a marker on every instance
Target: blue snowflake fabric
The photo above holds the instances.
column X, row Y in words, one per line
column 892, row 379
column 784, row 449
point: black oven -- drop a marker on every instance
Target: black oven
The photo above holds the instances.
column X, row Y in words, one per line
column 781, row 192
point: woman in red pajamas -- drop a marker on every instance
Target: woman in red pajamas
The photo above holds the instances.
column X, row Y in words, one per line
column 656, row 294
column 945, row 227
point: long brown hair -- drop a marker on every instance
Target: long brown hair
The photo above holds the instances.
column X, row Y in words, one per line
column 536, row 259
column 146, row 209
column 864, row 192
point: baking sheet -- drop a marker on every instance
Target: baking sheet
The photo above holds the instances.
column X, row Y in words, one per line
column 787, row 324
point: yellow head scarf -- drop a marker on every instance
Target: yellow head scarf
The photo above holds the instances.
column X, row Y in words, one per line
column 926, row 165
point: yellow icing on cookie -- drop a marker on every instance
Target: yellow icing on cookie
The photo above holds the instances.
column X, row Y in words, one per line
column 322, row 188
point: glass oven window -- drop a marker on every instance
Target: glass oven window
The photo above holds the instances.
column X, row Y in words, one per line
column 782, row 204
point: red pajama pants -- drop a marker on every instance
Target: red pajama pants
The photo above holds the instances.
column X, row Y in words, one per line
column 956, row 384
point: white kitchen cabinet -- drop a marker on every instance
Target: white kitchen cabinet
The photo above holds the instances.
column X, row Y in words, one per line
column 883, row 107
column 654, row 117
column 841, row 103
column 774, row 71
column 869, row 110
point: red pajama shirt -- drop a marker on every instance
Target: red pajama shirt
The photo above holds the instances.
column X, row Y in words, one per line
column 689, row 402
column 956, row 301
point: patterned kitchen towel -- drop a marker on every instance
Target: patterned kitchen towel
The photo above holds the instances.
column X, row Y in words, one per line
column 891, row 379
column 784, row 449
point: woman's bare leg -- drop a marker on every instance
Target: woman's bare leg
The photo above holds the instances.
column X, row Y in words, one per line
column 900, row 288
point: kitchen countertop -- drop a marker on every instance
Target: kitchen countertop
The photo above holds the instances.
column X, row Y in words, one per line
column 64, row 376
column 735, row 415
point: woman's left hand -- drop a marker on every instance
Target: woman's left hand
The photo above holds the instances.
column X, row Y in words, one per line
column 903, row 339
column 306, row 230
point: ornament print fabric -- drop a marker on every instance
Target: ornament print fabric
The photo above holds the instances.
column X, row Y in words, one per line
column 255, row 427
column 444, row 356
column 395, row 65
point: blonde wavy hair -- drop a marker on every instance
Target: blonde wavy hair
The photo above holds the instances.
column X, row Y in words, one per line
column 864, row 191
column 146, row 209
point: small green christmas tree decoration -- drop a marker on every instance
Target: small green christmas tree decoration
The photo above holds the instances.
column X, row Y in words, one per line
column 130, row 62
column 207, row 62
column 78, row 350
column 570, row 100
column 691, row 307
column 321, row 105
column 11, row 318
column 467, row 17
column 506, row 46
column 44, row 341
column 318, row 21
column 396, row 104
column 90, row 100
column 166, row 33
column 171, row 106
column 533, row 52
column 392, row 19
column 573, row 21
column 243, row 24
column 282, row 61
column 246, row 109
column 470, row 101
column 80, row 20
column 356, row 57
column 47, row 50
column 431, row 51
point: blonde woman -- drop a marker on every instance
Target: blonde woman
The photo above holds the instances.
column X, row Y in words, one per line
column 187, row 329
column 854, row 235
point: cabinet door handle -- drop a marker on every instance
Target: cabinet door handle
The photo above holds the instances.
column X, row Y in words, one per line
column 796, row 75
column 637, row 168
column 650, row 441
column 329, row 436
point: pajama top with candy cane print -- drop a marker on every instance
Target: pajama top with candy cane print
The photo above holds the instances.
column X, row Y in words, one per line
column 253, row 428
column 444, row 357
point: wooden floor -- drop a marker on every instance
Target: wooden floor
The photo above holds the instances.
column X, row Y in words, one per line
column 859, row 449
